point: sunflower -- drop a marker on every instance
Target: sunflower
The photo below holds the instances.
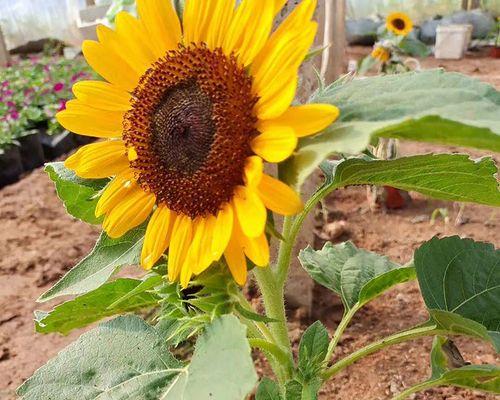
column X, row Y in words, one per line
column 381, row 53
column 189, row 113
column 399, row 23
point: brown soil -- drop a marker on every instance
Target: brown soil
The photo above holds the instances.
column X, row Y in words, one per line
column 40, row 242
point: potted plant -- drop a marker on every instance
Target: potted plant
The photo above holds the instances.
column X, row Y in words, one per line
column 10, row 160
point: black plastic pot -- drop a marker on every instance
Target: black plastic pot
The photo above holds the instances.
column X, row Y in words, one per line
column 10, row 165
column 56, row 145
column 31, row 150
column 83, row 140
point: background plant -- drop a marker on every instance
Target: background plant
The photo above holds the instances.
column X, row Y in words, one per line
column 33, row 90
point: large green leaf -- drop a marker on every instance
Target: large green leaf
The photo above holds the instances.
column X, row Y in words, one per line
column 121, row 359
column 356, row 275
column 453, row 177
column 94, row 270
column 460, row 283
column 448, row 368
column 431, row 106
column 80, row 196
column 126, row 359
column 95, row 306
column 222, row 366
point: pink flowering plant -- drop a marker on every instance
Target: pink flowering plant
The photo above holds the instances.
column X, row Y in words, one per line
column 32, row 91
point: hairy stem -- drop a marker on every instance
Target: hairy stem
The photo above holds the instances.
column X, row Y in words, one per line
column 418, row 388
column 379, row 345
column 346, row 319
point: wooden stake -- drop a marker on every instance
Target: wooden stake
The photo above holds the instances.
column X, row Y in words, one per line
column 4, row 54
column 332, row 66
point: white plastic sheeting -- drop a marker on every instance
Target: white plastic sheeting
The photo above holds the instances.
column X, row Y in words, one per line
column 25, row 20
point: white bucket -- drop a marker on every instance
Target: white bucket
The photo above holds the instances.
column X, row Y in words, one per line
column 452, row 41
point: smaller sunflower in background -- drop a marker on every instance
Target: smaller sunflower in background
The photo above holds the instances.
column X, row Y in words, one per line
column 399, row 23
column 381, row 54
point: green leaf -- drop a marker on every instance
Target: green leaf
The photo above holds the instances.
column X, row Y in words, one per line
column 448, row 368
column 430, row 106
column 222, row 366
column 146, row 284
column 460, row 283
column 94, row 306
column 414, row 47
column 94, row 270
column 453, row 177
column 80, row 196
column 126, row 359
column 248, row 314
column 356, row 275
column 121, row 359
column 293, row 390
column 312, row 351
column 456, row 324
column 268, row 390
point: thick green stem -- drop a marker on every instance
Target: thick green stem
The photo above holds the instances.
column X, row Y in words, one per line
column 379, row 345
column 273, row 296
column 418, row 388
column 346, row 319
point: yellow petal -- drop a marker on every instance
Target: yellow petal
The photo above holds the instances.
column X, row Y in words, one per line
column 205, row 255
column 179, row 245
column 118, row 189
column 305, row 120
column 236, row 261
column 130, row 212
column 99, row 160
column 121, row 46
column 250, row 211
column 102, row 95
column 297, row 18
column 109, row 65
column 279, row 197
column 275, row 144
column 256, row 249
column 221, row 14
column 223, row 227
column 161, row 23
column 276, row 98
column 138, row 42
column 249, row 30
column 88, row 121
column 254, row 168
column 278, row 64
column 158, row 234
column 195, row 20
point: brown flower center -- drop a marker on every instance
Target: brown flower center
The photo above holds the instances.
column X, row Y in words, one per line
column 191, row 125
column 399, row 24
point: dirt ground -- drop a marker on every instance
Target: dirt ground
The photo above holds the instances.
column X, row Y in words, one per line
column 39, row 242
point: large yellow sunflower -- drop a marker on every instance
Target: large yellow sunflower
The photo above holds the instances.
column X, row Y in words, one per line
column 189, row 113
column 399, row 23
